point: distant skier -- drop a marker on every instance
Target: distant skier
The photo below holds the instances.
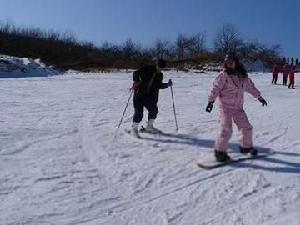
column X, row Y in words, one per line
column 275, row 73
column 229, row 87
column 291, row 77
column 146, row 84
column 285, row 73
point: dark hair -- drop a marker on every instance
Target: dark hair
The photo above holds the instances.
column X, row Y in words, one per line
column 161, row 63
column 239, row 69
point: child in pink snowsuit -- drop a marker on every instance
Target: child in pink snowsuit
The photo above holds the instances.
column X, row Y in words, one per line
column 229, row 87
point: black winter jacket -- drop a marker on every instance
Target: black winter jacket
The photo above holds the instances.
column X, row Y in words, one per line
column 150, row 81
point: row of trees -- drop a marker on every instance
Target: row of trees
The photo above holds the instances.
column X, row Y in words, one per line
column 65, row 51
column 59, row 49
column 291, row 61
column 227, row 39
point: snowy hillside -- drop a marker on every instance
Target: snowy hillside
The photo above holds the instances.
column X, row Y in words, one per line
column 59, row 163
column 13, row 67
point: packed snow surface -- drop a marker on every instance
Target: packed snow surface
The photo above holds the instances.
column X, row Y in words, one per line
column 61, row 165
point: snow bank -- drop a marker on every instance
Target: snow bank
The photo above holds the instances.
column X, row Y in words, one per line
column 13, row 67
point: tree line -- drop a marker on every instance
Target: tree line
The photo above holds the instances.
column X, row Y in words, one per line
column 65, row 51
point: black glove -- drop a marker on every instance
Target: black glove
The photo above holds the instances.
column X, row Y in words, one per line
column 209, row 106
column 263, row 101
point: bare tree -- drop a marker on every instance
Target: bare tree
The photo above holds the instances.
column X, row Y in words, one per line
column 249, row 50
column 162, row 48
column 197, row 42
column 130, row 48
column 182, row 45
column 228, row 39
column 69, row 37
column 269, row 55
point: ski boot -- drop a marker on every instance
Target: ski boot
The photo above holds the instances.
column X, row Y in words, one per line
column 150, row 128
column 252, row 151
column 135, row 130
column 222, row 156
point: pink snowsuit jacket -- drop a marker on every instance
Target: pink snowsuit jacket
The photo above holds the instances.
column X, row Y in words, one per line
column 230, row 90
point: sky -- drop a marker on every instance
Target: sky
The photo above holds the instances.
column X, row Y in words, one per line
column 267, row 21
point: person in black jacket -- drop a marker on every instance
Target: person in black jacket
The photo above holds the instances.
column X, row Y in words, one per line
column 146, row 84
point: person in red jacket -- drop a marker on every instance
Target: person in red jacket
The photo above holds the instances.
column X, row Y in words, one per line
column 291, row 77
column 285, row 73
column 275, row 74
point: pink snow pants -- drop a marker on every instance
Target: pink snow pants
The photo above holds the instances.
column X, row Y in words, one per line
column 244, row 127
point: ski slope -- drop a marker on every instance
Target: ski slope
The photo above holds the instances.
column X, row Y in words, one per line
column 60, row 163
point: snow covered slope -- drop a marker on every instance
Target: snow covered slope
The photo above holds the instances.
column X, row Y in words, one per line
column 13, row 67
column 60, row 165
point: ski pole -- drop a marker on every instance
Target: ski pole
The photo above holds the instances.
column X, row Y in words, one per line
column 174, row 111
column 131, row 92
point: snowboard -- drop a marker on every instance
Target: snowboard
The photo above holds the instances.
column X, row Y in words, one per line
column 212, row 163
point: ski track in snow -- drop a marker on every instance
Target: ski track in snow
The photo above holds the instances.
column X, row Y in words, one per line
column 60, row 162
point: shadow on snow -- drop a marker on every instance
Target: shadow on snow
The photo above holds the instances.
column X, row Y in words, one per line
column 280, row 165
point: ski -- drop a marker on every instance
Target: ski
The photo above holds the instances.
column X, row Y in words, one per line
column 156, row 131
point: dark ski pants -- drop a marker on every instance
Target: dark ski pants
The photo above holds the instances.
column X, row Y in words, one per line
column 141, row 101
column 285, row 78
column 291, row 84
column 275, row 77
